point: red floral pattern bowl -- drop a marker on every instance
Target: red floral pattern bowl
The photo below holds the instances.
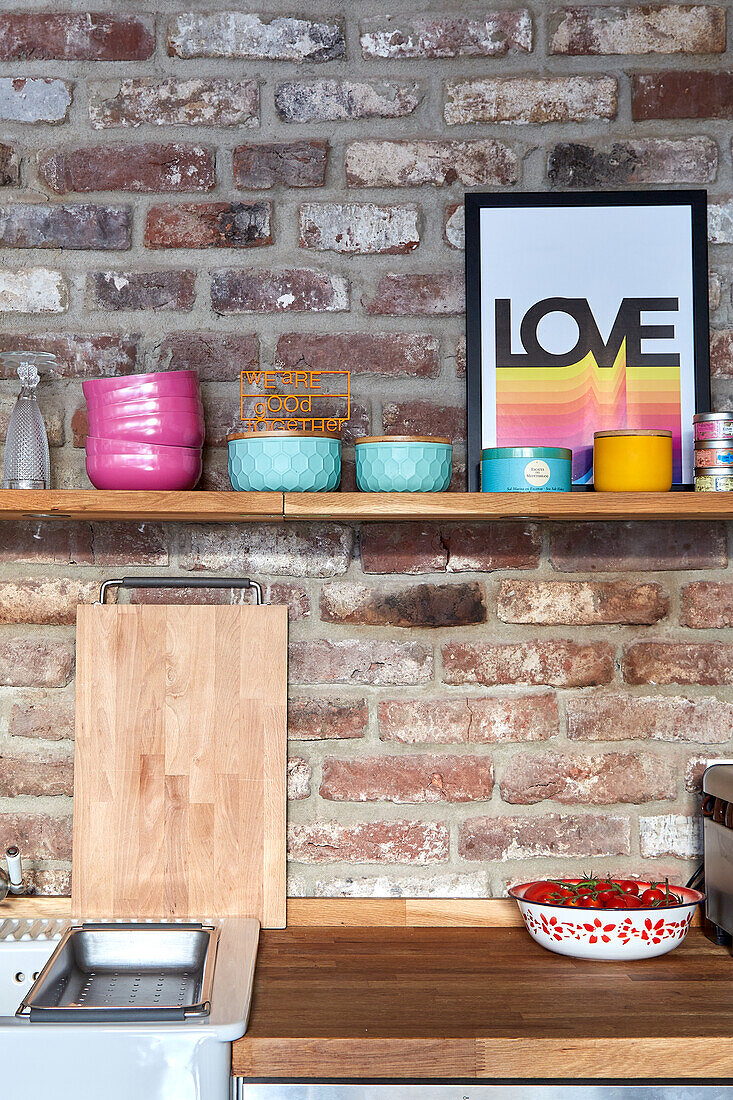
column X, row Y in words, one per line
column 608, row 933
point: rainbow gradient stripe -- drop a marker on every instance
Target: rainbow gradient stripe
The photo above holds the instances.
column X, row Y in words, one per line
column 564, row 406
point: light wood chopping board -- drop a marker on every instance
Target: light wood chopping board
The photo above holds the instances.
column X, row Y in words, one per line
column 180, row 767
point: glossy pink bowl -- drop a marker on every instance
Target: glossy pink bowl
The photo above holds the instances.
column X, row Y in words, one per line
column 95, row 445
column 177, row 471
column 107, row 385
column 167, row 387
column 159, row 406
column 168, row 431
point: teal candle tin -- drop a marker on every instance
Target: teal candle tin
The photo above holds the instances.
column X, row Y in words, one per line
column 526, row 469
column 284, row 462
column 403, row 464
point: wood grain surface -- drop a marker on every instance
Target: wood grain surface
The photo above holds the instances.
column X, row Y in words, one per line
column 180, row 762
column 92, row 504
column 417, row 1002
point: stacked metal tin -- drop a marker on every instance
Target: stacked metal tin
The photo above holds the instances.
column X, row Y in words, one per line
column 713, row 452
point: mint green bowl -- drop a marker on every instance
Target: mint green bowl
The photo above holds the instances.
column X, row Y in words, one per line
column 403, row 464
column 284, row 462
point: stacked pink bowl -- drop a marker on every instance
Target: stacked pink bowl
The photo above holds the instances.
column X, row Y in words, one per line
column 146, row 431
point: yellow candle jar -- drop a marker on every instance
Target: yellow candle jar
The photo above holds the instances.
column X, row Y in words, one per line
column 633, row 460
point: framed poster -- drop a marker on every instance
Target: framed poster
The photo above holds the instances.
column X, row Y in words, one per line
column 585, row 312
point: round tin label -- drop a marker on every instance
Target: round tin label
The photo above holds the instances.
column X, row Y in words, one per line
column 537, row 472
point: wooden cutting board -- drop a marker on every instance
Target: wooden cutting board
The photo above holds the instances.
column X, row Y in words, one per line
column 180, row 766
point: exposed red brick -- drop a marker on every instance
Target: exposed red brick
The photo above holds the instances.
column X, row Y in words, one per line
column 50, row 882
column 67, row 226
column 33, row 290
column 299, row 779
column 414, row 163
column 48, row 601
column 38, row 835
column 582, row 603
column 424, row 418
column 555, row 663
column 674, row 94
column 398, row 354
column 619, row 547
column 260, row 165
column 254, row 37
column 208, row 225
column 536, row 99
column 644, row 160
column 604, row 716
column 171, row 102
column 416, row 842
column 670, row 835
column 413, row 548
column 474, row 720
column 669, row 28
column 295, row 291
column 417, row 295
column 721, row 353
column 47, row 715
column 678, row 663
column 354, row 661
column 9, row 166
column 431, row 778
column 359, row 228
column 75, row 36
column 323, row 719
column 707, row 604
column 343, row 100
column 695, row 770
column 154, row 290
column 493, row 34
column 416, row 605
column 113, row 167
column 588, row 780
column 714, row 290
column 557, row 835
column 36, row 773
column 40, row 662
column 215, row 356
column 46, row 542
column 78, row 355
column 291, row 550
column 454, row 234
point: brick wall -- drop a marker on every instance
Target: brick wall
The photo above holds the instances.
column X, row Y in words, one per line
column 470, row 704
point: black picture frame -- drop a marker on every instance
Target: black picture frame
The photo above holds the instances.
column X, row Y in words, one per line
column 475, row 202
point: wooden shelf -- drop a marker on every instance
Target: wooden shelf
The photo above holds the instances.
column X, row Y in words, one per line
column 508, row 506
column 230, row 507
column 93, row 504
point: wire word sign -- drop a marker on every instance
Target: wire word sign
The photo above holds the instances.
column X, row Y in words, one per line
column 290, row 400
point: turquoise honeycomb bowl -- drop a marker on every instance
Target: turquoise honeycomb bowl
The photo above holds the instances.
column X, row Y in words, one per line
column 284, row 462
column 403, row 464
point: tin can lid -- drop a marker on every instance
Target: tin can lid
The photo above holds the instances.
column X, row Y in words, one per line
column 633, row 431
column 400, row 439
column 700, row 418
column 713, row 445
column 714, row 471
column 285, row 434
column 526, row 452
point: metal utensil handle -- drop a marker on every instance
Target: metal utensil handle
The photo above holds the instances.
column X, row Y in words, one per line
column 182, row 582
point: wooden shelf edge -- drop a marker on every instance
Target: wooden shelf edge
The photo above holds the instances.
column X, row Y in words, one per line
column 507, row 506
column 101, row 504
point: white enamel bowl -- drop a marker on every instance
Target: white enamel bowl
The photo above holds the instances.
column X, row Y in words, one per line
column 617, row 934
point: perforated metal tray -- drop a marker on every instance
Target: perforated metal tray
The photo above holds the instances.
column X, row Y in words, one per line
column 126, row 973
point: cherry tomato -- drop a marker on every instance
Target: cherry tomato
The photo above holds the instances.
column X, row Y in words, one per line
column 536, row 891
column 628, row 885
column 630, row 901
column 610, row 899
column 652, row 895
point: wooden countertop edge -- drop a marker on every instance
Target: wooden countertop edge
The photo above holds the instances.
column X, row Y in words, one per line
column 400, row 1058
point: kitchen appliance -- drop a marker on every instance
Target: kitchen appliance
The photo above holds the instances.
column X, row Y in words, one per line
column 180, row 758
column 717, row 810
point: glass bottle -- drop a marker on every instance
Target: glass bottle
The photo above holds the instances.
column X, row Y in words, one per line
column 27, row 462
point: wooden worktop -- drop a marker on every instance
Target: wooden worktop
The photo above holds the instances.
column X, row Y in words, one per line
column 481, row 1002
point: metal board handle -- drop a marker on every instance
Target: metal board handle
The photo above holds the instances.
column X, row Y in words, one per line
column 181, row 582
